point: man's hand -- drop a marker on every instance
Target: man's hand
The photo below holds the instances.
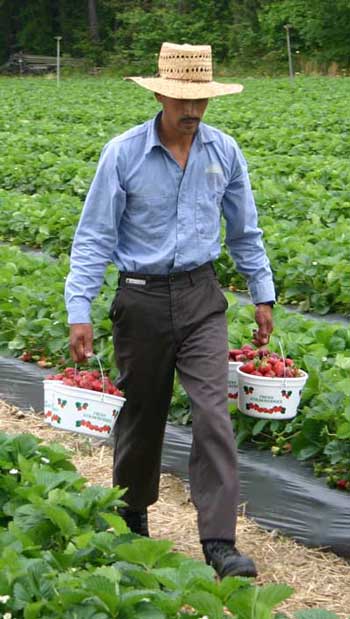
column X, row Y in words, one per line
column 80, row 341
column 263, row 317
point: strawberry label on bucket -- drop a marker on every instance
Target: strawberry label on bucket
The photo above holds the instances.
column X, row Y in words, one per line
column 232, row 387
column 232, row 396
column 81, row 406
column 262, row 409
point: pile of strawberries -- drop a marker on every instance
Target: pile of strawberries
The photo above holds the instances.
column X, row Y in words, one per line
column 262, row 362
column 86, row 379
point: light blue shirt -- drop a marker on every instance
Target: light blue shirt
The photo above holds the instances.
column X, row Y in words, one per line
column 145, row 214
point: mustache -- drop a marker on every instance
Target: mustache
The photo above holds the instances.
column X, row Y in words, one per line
column 193, row 118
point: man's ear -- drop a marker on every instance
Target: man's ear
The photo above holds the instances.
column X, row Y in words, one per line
column 158, row 97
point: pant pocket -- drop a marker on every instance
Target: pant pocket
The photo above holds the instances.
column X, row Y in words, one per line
column 219, row 295
column 113, row 311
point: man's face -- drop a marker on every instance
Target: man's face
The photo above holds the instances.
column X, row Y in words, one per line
column 182, row 115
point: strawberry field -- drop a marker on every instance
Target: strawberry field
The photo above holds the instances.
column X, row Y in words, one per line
column 297, row 146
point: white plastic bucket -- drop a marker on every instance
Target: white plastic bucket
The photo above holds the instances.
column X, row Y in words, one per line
column 269, row 398
column 80, row 410
column 232, row 391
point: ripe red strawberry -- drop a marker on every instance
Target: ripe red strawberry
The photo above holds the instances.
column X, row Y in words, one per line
column 248, row 368
column 233, row 353
column 279, row 369
column 247, row 347
column 264, row 368
column 342, row 484
column 96, row 385
column 69, row 382
column 69, row 372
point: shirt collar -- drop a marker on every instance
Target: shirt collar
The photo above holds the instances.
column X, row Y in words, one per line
column 203, row 135
column 152, row 134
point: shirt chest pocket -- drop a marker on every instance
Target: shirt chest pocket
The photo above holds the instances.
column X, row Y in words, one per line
column 208, row 212
column 149, row 210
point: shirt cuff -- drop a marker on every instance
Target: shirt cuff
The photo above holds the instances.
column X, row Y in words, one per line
column 262, row 291
column 79, row 313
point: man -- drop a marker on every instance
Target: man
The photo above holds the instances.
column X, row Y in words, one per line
column 154, row 210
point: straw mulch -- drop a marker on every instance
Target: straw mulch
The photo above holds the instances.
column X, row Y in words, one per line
column 320, row 579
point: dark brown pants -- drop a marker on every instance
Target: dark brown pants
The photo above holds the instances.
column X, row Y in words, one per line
column 159, row 324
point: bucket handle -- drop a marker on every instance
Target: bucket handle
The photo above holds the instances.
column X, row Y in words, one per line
column 101, row 370
column 284, row 361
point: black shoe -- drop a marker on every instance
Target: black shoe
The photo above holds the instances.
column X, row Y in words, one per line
column 137, row 521
column 226, row 560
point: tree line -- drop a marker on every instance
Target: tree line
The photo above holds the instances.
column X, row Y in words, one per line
column 128, row 33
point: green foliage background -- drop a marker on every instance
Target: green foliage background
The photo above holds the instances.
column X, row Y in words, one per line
column 126, row 34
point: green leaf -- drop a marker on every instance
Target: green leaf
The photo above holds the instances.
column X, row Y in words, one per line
column 146, row 552
column 69, row 597
column 205, row 603
column 60, row 517
column 83, row 541
column 344, row 386
column 32, row 610
column 242, row 604
column 133, row 596
column 169, row 602
column 22, row 595
column 116, row 522
column 146, row 610
column 54, row 479
column 105, row 589
column 137, row 575
column 271, row 595
column 230, row 585
column 185, row 575
column 342, row 361
column 259, row 426
column 343, row 430
column 309, row 452
column 28, row 517
column 25, row 444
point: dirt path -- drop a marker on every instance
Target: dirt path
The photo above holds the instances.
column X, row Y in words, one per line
column 320, row 580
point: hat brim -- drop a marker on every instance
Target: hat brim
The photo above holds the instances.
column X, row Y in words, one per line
column 180, row 89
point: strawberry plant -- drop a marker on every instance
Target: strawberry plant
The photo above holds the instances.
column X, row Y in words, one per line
column 66, row 552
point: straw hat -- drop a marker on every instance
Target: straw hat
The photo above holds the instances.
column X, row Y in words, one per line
column 185, row 72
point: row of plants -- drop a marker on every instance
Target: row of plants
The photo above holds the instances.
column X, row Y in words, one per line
column 33, row 317
column 297, row 154
column 66, row 552
column 299, row 250
column 46, row 221
column 33, row 325
column 317, row 279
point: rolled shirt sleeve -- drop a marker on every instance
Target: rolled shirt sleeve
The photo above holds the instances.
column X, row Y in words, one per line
column 243, row 236
column 96, row 237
